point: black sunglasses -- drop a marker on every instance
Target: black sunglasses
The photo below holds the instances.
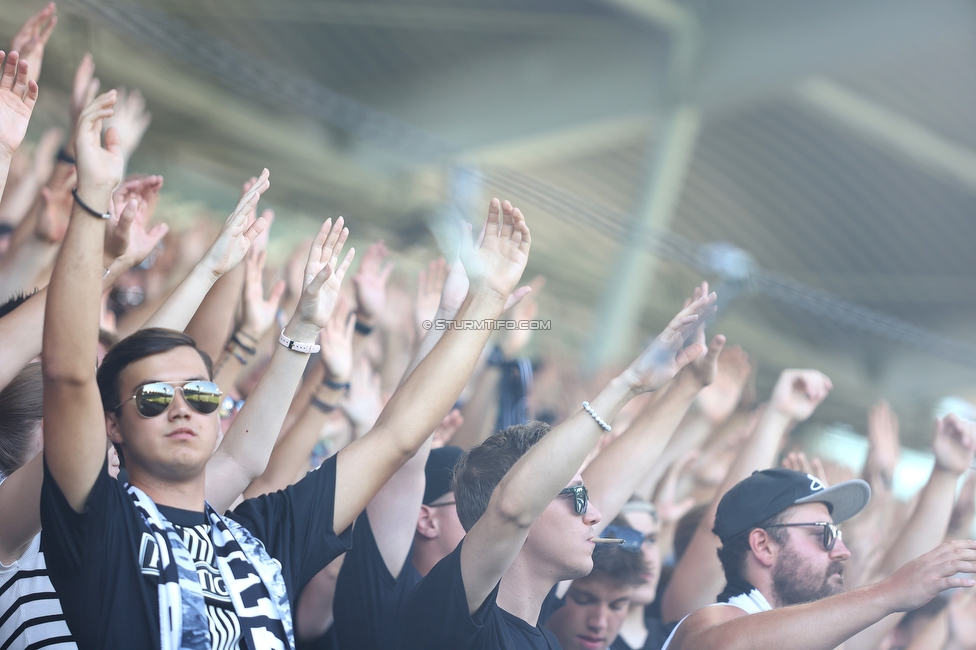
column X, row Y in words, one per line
column 633, row 539
column 154, row 398
column 581, row 497
column 831, row 533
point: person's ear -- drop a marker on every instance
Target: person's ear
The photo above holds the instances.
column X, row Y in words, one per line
column 763, row 546
column 112, row 427
column 427, row 524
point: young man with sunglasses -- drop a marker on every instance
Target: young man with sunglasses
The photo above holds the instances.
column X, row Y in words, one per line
column 783, row 557
column 151, row 565
column 521, row 499
column 596, row 604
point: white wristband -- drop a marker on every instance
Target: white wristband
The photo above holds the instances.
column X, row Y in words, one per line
column 297, row 346
column 597, row 418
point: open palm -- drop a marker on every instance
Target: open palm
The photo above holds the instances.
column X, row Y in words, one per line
column 324, row 273
column 17, row 98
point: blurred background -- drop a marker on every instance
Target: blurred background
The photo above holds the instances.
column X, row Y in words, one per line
column 815, row 162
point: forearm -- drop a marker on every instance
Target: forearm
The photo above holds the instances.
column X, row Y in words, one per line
column 692, row 432
column 20, row 509
column 5, row 159
column 178, row 309
column 617, row 472
column 927, row 526
column 213, row 320
column 480, row 411
column 821, row 625
column 21, row 267
column 428, row 342
column 17, row 199
column 291, row 453
column 252, row 436
column 20, row 336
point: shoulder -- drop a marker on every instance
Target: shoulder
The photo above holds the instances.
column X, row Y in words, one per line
column 701, row 621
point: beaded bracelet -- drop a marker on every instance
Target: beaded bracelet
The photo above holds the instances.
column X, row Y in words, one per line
column 599, row 420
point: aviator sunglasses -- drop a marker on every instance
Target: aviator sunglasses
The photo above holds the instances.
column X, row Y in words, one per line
column 154, row 398
column 831, row 533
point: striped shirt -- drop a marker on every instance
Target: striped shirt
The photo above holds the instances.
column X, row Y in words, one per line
column 30, row 612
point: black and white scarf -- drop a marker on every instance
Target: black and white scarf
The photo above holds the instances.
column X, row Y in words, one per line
column 243, row 563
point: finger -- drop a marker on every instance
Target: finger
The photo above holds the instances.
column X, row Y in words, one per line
column 20, row 81
column 508, row 221
column 346, row 261
column 9, row 71
column 112, row 140
column 494, row 222
column 516, row 297
column 331, row 240
column 255, row 229
column 46, row 33
column 688, row 354
column 277, row 291
column 315, row 286
column 31, row 97
column 526, row 240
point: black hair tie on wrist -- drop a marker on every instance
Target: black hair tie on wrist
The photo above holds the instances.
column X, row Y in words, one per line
column 64, row 157
column 84, row 206
column 335, row 385
column 363, row 329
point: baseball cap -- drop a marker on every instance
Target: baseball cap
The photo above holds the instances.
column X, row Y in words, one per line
column 771, row 491
column 440, row 472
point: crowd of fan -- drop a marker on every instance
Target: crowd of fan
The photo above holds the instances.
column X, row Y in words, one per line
column 388, row 486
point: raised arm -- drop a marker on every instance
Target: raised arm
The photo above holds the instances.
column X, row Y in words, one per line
column 698, row 577
column 32, row 37
column 825, row 624
column 74, row 422
column 224, row 254
column 243, row 453
column 17, row 98
column 953, row 445
column 533, row 482
column 430, row 391
column 617, row 471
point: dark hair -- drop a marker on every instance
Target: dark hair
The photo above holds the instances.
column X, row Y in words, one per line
column 732, row 555
column 15, row 301
column 481, row 468
column 142, row 344
column 21, row 410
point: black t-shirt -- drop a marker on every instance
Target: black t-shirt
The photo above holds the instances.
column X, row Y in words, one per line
column 436, row 617
column 103, row 561
column 327, row 641
column 368, row 599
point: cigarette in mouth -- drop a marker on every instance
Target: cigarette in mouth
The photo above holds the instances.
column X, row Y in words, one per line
column 607, row 540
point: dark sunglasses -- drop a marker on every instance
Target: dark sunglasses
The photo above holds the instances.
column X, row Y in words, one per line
column 581, row 497
column 831, row 533
column 633, row 539
column 152, row 399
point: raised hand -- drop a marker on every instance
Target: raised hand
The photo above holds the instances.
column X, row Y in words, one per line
column 32, row 38
column 927, row 576
column 237, row 235
column 364, row 402
column 799, row 392
column 954, row 444
column 446, row 429
column 370, row 283
column 17, row 98
column 131, row 119
column 798, row 462
column 719, row 399
column 258, row 314
column 99, row 168
column 336, row 352
column 884, row 447
column 668, row 506
column 323, row 274
column 671, row 350
column 83, row 91
column 704, row 368
column 430, row 283
column 497, row 263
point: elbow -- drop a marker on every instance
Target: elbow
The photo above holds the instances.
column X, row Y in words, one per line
column 509, row 508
